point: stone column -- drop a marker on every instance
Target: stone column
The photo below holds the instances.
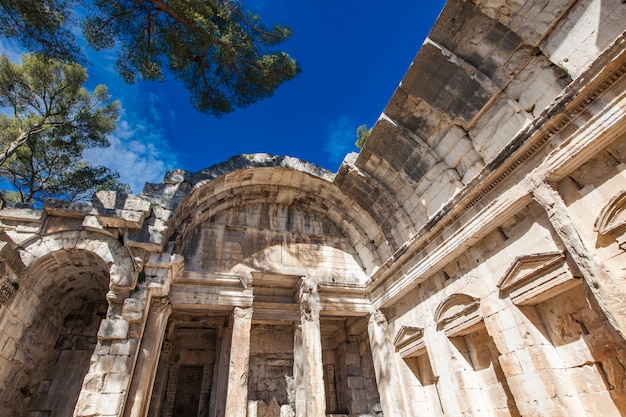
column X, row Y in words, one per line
column 237, row 397
column 387, row 376
column 219, row 384
column 607, row 292
column 298, row 373
column 140, row 392
column 311, row 354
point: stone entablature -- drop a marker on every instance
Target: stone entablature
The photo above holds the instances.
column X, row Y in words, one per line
column 469, row 261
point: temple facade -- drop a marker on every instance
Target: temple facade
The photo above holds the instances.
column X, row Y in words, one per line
column 469, row 261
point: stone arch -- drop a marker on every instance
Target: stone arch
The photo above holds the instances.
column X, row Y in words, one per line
column 51, row 324
column 110, row 251
column 282, row 187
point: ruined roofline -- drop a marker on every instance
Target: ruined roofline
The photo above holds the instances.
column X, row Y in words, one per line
column 245, row 161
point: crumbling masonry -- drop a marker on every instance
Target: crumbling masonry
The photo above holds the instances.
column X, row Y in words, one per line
column 470, row 261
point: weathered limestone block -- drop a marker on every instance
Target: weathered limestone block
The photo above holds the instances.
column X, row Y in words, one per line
column 133, row 309
column 115, row 200
column 586, row 29
column 497, row 127
column 99, row 405
column 92, row 224
column 107, row 217
column 113, row 329
column 286, row 411
column 149, row 237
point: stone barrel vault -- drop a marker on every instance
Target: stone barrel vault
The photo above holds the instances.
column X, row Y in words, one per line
column 469, row 261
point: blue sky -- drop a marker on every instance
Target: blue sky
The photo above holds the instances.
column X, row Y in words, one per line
column 353, row 55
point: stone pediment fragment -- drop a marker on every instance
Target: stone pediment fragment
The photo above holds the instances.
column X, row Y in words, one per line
column 535, row 278
column 409, row 341
column 613, row 215
column 458, row 314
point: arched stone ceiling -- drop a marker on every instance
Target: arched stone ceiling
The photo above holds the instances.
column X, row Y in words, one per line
column 486, row 71
column 288, row 186
column 67, row 279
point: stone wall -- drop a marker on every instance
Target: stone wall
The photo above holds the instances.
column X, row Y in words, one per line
column 468, row 262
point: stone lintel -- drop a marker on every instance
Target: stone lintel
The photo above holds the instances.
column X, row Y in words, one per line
column 343, row 298
column 209, row 279
column 122, row 219
column 197, row 297
column 121, row 201
column 345, row 307
column 145, row 238
column 276, row 312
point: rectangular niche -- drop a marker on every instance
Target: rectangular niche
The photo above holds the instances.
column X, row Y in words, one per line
column 271, row 363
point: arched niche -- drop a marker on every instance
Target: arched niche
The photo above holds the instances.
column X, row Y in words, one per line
column 256, row 217
column 52, row 321
column 114, row 254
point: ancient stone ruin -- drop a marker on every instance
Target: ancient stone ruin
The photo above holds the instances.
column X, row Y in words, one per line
column 470, row 261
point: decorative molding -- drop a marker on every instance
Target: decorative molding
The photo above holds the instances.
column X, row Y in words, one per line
column 534, row 278
column 458, row 314
column 206, row 279
column 613, row 215
column 409, row 341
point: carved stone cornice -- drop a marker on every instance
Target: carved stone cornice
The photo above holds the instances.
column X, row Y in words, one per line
column 613, row 215
column 458, row 314
column 409, row 341
column 534, row 278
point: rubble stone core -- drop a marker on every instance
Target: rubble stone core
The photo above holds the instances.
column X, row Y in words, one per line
column 468, row 262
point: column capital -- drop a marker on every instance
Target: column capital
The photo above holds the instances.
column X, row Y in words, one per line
column 378, row 317
column 309, row 300
column 243, row 312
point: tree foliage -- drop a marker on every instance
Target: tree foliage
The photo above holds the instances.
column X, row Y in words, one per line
column 42, row 26
column 48, row 119
column 220, row 52
column 362, row 133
